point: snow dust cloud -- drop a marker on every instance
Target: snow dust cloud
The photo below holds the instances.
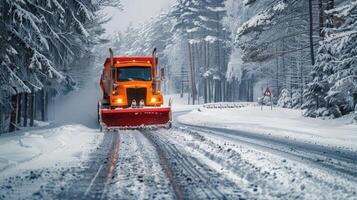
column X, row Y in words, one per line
column 79, row 106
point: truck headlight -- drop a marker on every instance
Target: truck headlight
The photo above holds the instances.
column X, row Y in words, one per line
column 133, row 103
column 120, row 101
column 142, row 103
column 153, row 100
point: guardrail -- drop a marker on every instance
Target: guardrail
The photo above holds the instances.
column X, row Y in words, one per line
column 224, row 105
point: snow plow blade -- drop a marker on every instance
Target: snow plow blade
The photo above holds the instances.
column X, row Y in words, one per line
column 136, row 118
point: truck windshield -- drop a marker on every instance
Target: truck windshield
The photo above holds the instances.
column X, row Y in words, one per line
column 134, row 74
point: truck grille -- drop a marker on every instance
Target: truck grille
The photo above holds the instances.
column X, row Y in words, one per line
column 137, row 94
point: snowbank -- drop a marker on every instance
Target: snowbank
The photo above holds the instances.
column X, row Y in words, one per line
column 64, row 146
column 280, row 122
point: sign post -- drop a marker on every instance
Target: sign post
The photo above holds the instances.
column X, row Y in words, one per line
column 267, row 93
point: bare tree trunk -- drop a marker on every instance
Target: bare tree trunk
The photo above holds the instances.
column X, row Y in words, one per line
column 223, row 90
column 192, row 73
column 209, row 90
column 198, row 55
column 251, row 90
column 32, row 108
column 194, row 88
column 236, row 89
column 47, row 98
column 312, row 53
column 301, row 85
column 248, row 90
column 216, row 90
column 205, row 91
column 19, row 110
column 25, row 109
column 330, row 6
column 13, row 116
column 219, row 63
column 205, row 70
column 321, row 18
column 355, row 100
column 230, row 91
column 182, row 81
column 277, row 71
column 283, row 68
column 43, row 105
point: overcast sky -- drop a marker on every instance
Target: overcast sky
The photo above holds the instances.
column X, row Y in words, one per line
column 135, row 11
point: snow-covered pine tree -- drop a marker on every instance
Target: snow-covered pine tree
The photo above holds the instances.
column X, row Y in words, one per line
column 39, row 41
column 343, row 41
column 314, row 96
column 333, row 89
column 285, row 100
column 296, row 99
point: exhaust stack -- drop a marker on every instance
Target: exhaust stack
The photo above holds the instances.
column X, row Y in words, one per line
column 156, row 73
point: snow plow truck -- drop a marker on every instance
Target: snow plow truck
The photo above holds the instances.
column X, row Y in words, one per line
column 132, row 98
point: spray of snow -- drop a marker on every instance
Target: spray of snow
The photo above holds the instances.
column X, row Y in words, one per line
column 234, row 70
column 79, row 106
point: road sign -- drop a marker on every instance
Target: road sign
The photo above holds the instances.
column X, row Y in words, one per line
column 267, row 93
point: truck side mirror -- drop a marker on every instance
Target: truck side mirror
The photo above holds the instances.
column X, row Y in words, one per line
column 162, row 73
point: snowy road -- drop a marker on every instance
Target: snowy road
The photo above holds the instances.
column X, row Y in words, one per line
column 334, row 160
column 190, row 162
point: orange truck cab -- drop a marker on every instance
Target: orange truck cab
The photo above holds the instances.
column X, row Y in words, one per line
column 131, row 93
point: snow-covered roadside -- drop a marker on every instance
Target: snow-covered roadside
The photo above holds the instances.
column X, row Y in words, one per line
column 40, row 155
column 280, row 122
column 265, row 175
column 66, row 145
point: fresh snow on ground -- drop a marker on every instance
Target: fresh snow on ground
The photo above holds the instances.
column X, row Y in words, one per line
column 31, row 159
column 232, row 150
column 281, row 122
column 46, row 147
column 262, row 174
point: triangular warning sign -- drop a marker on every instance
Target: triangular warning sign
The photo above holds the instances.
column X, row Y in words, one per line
column 267, row 92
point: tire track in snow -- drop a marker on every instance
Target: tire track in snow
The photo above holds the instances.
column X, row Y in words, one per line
column 340, row 162
column 195, row 179
column 93, row 179
column 263, row 174
column 168, row 172
column 112, row 164
column 139, row 174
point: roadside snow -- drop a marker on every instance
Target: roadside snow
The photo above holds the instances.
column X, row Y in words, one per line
column 38, row 162
column 264, row 174
column 280, row 122
column 62, row 146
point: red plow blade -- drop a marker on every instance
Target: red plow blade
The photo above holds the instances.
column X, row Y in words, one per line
column 136, row 117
